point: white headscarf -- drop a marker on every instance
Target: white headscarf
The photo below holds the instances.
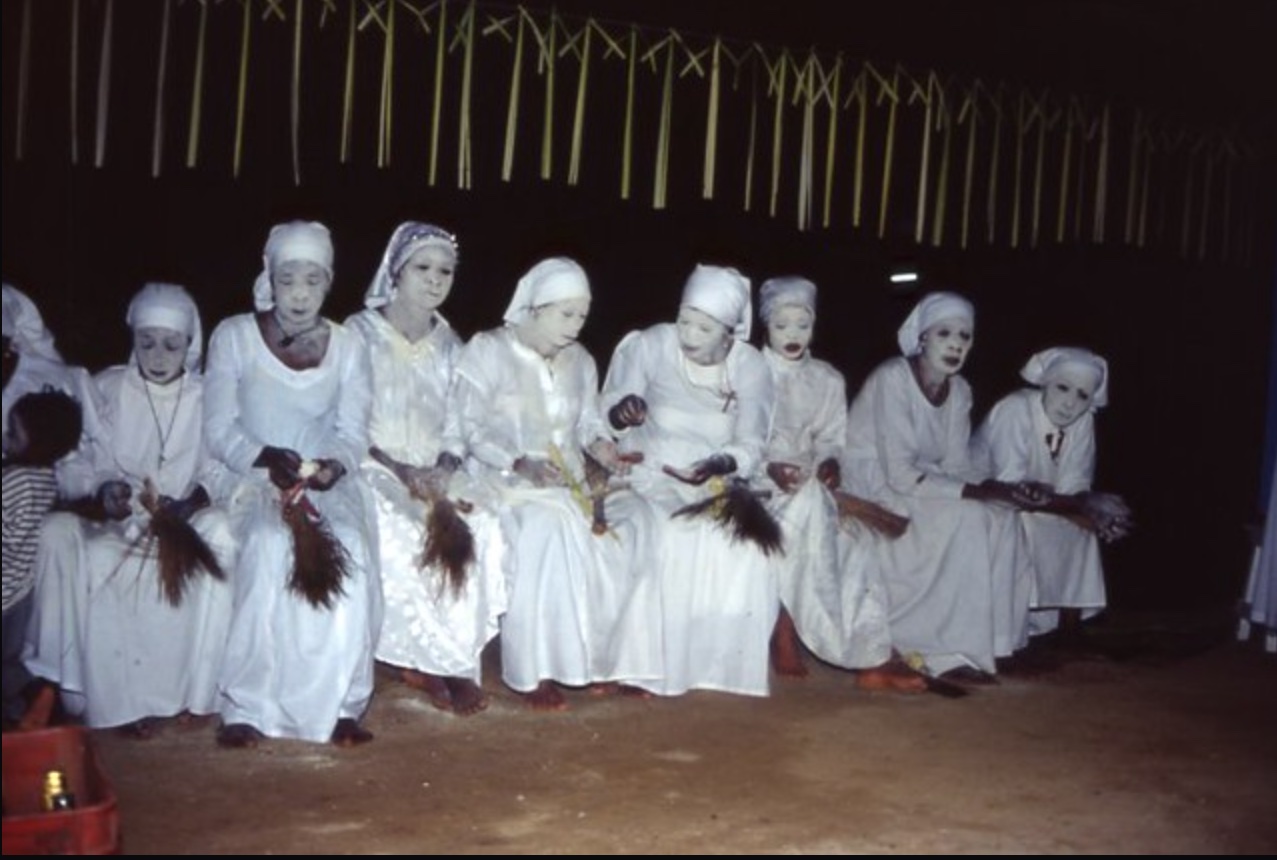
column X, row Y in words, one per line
column 786, row 290
column 408, row 238
column 1048, row 364
column 556, row 279
column 723, row 293
column 931, row 309
column 25, row 327
column 295, row 240
column 168, row 306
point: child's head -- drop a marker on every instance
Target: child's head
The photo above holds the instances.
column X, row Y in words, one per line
column 787, row 306
column 44, row 426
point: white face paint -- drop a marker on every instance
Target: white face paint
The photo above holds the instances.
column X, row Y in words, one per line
column 557, row 324
column 789, row 331
column 299, row 288
column 161, row 353
column 945, row 345
column 425, row 280
column 703, row 339
column 1066, row 396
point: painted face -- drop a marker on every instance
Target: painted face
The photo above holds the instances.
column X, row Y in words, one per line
column 945, row 345
column 300, row 288
column 161, row 353
column 703, row 339
column 426, row 278
column 789, row 331
column 558, row 324
column 1066, row 397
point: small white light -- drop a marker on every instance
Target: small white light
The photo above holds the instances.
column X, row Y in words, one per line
column 903, row 277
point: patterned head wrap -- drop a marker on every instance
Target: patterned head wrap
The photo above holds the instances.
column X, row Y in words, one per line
column 408, row 238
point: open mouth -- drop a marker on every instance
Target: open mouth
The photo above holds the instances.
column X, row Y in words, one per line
column 793, row 348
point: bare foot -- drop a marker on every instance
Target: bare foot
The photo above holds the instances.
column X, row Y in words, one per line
column 467, row 698
column 435, row 688
column 140, row 730
column 631, row 692
column 348, row 733
column 546, row 697
column 786, row 650
column 238, row 736
column 886, row 677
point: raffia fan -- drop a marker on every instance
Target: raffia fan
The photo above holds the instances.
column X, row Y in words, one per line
column 828, row 141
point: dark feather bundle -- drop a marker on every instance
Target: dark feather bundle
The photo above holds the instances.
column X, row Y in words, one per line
column 319, row 560
column 449, row 543
column 182, row 555
column 872, row 515
column 740, row 511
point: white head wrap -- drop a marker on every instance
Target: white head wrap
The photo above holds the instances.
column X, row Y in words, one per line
column 723, row 293
column 556, row 279
column 407, row 239
column 1044, row 367
column 296, row 240
column 931, row 309
column 168, row 306
column 25, row 327
column 788, row 290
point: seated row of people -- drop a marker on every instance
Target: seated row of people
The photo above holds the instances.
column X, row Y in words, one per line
column 248, row 542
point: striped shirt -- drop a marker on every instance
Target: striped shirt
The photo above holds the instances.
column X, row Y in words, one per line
column 29, row 493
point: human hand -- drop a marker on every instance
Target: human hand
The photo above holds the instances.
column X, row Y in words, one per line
column 539, row 472
column 1031, row 495
column 283, row 465
column 327, row 472
column 629, row 411
column 787, row 476
column 184, row 509
column 1110, row 514
column 702, row 470
column 115, row 499
column 829, row 473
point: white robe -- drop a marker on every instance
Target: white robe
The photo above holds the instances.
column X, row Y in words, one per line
column 829, row 575
column 34, row 373
column 702, row 608
column 1011, row 445
column 958, row 580
column 291, row 669
column 102, row 628
column 427, row 626
column 564, row 581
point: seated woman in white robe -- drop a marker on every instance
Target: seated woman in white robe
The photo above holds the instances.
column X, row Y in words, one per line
column 958, row 580
column 832, row 595
column 129, row 640
column 526, row 402
column 438, row 618
column 695, row 400
column 287, row 400
column 1045, row 435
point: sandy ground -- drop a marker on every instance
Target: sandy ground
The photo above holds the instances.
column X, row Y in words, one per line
column 1166, row 745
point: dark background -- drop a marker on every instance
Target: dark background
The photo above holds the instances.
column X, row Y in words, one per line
column 1188, row 340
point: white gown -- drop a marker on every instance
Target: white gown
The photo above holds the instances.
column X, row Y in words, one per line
column 292, row 670
column 958, row 580
column 1011, row 445
column 426, row 626
column 565, row 582
column 702, row 608
column 829, row 576
column 103, row 629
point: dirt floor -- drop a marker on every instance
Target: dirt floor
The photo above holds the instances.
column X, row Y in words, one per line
column 1166, row 743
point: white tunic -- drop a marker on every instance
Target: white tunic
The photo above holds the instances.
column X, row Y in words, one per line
column 427, row 626
column 103, row 629
column 958, row 580
column 1012, row 445
column 829, row 576
column 564, row 581
column 291, row 670
column 702, row 608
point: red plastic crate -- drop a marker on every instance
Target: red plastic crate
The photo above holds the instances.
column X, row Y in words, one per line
column 93, row 827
